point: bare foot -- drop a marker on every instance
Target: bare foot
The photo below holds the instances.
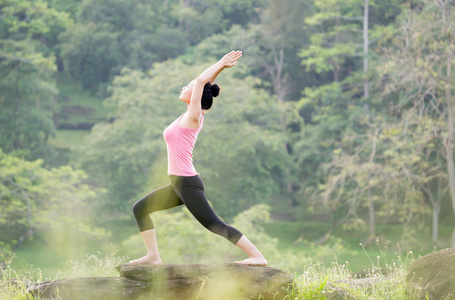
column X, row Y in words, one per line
column 148, row 259
column 253, row 261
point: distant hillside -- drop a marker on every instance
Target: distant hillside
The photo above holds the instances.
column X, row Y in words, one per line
column 76, row 113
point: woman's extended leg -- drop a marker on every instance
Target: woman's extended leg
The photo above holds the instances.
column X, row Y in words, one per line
column 159, row 199
column 191, row 192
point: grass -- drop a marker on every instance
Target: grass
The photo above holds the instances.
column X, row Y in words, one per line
column 317, row 281
column 341, row 249
column 74, row 106
column 71, row 95
column 14, row 284
column 345, row 246
column 65, row 139
column 329, row 268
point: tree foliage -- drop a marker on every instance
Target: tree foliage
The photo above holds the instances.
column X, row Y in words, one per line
column 109, row 35
column 28, row 44
column 27, row 99
column 360, row 169
column 34, row 199
column 33, row 20
column 418, row 66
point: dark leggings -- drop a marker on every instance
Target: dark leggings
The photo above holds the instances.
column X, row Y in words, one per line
column 188, row 190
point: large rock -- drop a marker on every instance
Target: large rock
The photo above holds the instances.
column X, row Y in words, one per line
column 433, row 275
column 179, row 281
column 90, row 288
column 212, row 281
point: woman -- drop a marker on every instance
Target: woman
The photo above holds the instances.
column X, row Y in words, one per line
column 186, row 186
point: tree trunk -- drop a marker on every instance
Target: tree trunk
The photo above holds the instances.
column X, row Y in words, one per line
column 30, row 229
column 449, row 140
column 371, row 216
column 366, row 90
column 436, row 210
column 435, row 207
column 336, row 70
column 366, row 95
column 280, row 88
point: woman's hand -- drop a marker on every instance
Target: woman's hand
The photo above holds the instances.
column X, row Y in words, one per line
column 230, row 59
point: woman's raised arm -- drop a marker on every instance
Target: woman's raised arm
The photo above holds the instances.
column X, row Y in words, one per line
column 229, row 60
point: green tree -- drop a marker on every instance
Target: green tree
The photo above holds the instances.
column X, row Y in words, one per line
column 34, row 199
column 90, row 54
column 418, row 69
column 33, row 20
column 240, row 12
column 110, row 35
column 69, row 6
column 340, row 108
column 26, row 100
column 419, row 159
column 387, row 166
column 331, row 109
column 198, row 19
column 28, row 47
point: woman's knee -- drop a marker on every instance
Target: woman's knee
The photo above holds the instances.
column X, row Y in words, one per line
column 137, row 209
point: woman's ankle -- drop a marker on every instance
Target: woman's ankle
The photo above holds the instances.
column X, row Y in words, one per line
column 153, row 256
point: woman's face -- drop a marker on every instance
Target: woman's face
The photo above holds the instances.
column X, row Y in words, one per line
column 185, row 94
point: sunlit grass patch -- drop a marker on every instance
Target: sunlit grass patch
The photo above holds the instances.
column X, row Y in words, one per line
column 71, row 94
column 14, row 284
column 385, row 279
column 318, row 282
column 94, row 265
column 65, row 139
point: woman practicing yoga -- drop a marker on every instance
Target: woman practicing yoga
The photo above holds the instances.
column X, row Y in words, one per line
column 185, row 185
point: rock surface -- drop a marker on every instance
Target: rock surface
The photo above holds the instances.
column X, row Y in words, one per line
column 234, row 281
column 178, row 281
column 90, row 288
column 433, row 274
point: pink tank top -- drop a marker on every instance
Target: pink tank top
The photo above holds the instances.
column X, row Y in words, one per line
column 180, row 143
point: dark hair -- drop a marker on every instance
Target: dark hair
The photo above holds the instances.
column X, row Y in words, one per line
column 209, row 92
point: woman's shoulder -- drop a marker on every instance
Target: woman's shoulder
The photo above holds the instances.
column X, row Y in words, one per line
column 189, row 123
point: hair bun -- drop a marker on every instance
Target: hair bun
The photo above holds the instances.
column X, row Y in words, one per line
column 215, row 90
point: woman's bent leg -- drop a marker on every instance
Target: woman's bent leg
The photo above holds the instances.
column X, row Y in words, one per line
column 191, row 191
column 159, row 199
